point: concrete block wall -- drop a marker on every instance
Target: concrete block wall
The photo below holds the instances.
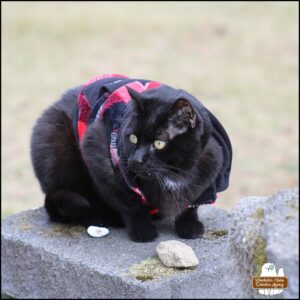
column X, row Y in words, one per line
column 41, row 259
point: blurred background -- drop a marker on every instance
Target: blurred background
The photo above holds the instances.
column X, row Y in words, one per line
column 240, row 59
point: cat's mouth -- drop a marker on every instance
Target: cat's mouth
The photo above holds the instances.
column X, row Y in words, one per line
column 140, row 171
column 145, row 175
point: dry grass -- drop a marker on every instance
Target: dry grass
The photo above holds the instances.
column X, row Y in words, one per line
column 240, row 59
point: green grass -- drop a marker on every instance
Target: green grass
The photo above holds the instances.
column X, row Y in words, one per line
column 239, row 59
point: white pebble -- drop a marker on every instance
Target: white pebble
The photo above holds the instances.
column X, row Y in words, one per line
column 95, row 231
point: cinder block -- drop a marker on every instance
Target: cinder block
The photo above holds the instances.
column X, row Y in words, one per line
column 266, row 230
column 41, row 259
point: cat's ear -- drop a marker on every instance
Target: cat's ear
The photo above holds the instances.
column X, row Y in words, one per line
column 184, row 114
column 136, row 97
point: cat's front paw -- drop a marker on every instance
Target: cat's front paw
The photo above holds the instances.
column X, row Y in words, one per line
column 190, row 229
column 142, row 235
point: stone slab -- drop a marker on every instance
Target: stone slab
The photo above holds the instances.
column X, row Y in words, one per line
column 46, row 260
column 41, row 259
column 266, row 230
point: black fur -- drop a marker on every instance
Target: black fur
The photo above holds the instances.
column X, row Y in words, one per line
column 81, row 185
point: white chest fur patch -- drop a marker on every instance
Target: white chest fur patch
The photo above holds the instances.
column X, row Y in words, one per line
column 172, row 184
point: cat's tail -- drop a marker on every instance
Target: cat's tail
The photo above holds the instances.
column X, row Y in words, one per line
column 67, row 207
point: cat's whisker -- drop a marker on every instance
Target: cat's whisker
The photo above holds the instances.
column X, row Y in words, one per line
column 177, row 176
column 156, row 175
column 181, row 171
column 170, row 200
column 179, row 190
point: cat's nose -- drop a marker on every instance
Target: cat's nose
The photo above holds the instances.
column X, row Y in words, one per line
column 139, row 156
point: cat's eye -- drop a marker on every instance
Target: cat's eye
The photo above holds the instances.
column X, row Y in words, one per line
column 158, row 144
column 133, row 139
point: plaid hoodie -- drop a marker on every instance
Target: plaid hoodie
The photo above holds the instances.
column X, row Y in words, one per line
column 106, row 96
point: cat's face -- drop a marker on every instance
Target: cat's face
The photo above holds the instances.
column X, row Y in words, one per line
column 160, row 138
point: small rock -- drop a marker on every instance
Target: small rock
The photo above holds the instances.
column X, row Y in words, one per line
column 95, row 231
column 176, row 254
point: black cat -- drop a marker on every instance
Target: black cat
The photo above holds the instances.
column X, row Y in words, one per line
column 119, row 151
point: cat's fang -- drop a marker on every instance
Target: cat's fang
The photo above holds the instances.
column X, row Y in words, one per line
column 95, row 231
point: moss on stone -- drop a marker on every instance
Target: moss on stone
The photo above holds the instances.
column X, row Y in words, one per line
column 259, row 254
column 52, row 230
column 294, row 206
column 144, row 277
column 24, row 226
column 293, row 213
column 259, row 213
column 215, row 233
column 291, row 216
column 152, row 268
column 63, row 230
